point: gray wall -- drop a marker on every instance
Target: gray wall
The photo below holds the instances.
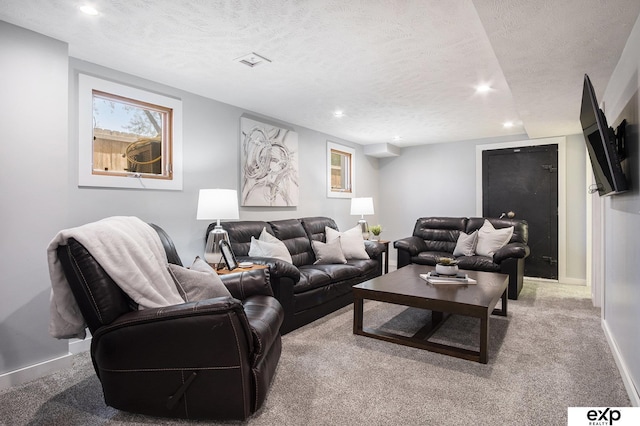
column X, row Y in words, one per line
column 440, row 180
column 576, row 202
column 622, row 220
column 211, row 135
column 34, row 189
column 40, row 194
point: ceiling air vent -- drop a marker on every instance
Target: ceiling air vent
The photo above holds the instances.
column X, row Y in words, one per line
column 252, row 60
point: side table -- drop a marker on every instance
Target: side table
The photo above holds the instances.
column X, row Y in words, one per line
column 225, row 271
column 386, row 255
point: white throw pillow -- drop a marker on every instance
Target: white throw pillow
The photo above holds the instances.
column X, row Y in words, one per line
column 328, row 253
column 275, row 250
column 491, row 240
column 265, row 236
column 200, row 282
column 351, row 242
column 466, row 245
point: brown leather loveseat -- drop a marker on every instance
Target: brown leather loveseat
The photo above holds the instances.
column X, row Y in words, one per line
column 435, row 237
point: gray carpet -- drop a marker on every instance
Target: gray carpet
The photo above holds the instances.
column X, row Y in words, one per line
column 550, row 353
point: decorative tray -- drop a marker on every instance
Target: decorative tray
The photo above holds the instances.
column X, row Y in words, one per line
column 435, row 278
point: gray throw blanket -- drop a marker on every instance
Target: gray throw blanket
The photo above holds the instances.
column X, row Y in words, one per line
column 130, row 251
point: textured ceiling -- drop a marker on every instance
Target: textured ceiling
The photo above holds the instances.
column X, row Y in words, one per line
column 395, row 67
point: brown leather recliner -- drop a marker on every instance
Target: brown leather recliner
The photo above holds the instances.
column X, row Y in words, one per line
column 211, row 359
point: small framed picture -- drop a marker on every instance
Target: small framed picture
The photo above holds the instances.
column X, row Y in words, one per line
column 227, row 253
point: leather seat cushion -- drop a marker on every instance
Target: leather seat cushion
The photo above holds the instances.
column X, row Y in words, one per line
column 478, row 263
column 364, row 267
column 338, row 272
column 430, row 257
column 315, row 276
column 310, row 278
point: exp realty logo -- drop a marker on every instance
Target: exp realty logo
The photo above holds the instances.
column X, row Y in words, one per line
column 603, row 416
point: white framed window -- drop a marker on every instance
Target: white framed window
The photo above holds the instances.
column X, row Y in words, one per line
column 341, row 180
column 128, row 137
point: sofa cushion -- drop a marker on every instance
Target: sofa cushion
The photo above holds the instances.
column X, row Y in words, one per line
column 440, row 233
column 478, row 263
column 269, row 246
column 294, row 237
column 328, row 253
column 364, row 267
column 310, row 278
column 351, row 242
column 520, row 227
column 200, row 282
column 315, row 227
column 429, row 257
column 339, row 272
column 491, row 239
column 466, row 245
column 267, row 249
column 240, row 234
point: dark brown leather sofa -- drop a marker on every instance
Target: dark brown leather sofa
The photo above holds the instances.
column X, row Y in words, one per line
column 435, row 237
column 306, row 291
column 211, row 359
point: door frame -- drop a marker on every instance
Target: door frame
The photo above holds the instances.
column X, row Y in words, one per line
column 595, row 244
column 562, row 193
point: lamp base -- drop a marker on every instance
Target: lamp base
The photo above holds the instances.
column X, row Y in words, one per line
column 212, row 253
column 364, row 227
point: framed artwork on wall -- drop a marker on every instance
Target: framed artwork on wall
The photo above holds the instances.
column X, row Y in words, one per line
column 268, row 165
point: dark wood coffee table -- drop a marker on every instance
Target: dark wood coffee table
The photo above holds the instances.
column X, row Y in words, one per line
column 405, row 287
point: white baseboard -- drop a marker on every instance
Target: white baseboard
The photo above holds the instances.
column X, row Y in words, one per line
column 634, row 395
column 32, row 372
column 565, row 280
column 573, row 281
column 77, row 346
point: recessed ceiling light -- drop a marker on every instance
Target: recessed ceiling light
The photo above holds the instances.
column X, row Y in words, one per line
column 252, row 60
column 483, row 88
column 397, row 138
column 89, row 10
column 338, row 114
column 508, row 124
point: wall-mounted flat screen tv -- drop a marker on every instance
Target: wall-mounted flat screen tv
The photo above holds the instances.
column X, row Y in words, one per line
column 601, row 145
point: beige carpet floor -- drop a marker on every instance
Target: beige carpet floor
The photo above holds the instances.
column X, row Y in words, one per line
column 550, row 353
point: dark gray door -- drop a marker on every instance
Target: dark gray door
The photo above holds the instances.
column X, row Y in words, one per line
column 525, row 181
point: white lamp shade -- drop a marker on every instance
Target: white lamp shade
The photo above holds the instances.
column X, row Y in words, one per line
column 362, row 206
column 218, row 204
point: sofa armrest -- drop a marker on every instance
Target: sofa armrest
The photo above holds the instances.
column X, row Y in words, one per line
column 248, row 283
column 515, row 250
column 413, row 245
column 373, row 248
column 277, row 268
column 265, row 316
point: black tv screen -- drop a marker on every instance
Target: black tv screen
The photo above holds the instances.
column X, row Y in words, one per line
column 601, row 144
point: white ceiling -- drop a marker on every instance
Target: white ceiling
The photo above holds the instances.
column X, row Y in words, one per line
column 395, row 67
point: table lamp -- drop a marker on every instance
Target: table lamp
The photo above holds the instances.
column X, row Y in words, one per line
column 362, row 206
column 216, row 204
